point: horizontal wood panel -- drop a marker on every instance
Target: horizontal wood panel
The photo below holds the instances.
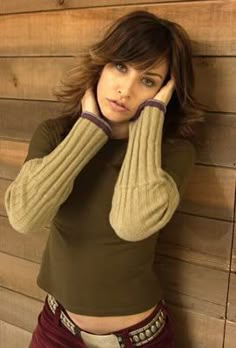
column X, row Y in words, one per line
column 230, row 335
column 202, row 241
column 15, row 6
column 217, row 143
column 11, row 336
column 231, row 308
column 200, row 330
column 198, row 288
column 217, row 146
column 190, row 286
column 233, row 266
column 215, row 78
column 19, row 310
column 19, row 118
column 63, row 32
column 210, row 191
column 36, row 78
column 195, row 330
column 21, row 278
column 28, row 246
column 3, row 186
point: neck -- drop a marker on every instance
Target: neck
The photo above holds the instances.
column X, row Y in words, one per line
column 120, row 131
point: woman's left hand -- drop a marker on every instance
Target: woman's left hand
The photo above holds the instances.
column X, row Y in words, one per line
column 165, row 93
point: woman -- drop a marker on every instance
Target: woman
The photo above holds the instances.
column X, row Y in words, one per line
column 107, row 175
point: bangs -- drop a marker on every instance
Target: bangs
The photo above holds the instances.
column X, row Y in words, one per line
column 140, row 48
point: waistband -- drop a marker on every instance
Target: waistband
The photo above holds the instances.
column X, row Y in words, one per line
column 152, row 327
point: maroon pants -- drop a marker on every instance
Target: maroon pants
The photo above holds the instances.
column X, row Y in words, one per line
column 50, row 333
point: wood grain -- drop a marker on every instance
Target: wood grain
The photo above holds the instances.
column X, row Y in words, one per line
column 197, row 240
column 10, row 336
column 230, row 335
column 19, row 310
column 191, row 286
column 217, row 144
column 196, row 330
column 29, row 247
column 37, row 78
column 231, row 308
column 64, row 32
column 210, row 193
column 21, row 278
column 15, row 6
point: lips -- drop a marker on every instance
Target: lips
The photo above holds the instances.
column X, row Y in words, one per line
column 117, row 106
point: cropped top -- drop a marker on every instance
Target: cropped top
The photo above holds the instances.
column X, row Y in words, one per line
column 105, row 201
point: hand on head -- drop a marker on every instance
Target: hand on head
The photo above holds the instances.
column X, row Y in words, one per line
column 89, row 103
column 166, row 91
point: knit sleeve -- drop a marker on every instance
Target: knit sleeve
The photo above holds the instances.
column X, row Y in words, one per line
column 46, row 179
column 147, row 191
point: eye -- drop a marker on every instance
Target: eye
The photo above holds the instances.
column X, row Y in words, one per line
column 121, row 67
column 147, row 82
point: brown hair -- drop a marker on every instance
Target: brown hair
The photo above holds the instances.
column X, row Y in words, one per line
column 140, row 38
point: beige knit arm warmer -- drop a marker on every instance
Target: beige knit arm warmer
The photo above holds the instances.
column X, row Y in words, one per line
column 145, row 196
column 43, row 184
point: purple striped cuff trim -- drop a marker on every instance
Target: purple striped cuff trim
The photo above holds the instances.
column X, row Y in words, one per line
column 98, row 121
column 149, row 102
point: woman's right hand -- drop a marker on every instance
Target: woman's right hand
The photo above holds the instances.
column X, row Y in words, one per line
column 89, row 103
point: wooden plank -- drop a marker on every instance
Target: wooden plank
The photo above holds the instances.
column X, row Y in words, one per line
column 15, row 6
column 230, row 335
column 196, row 330
column 231, row 308
column 206, row 242
column 216, row 136
column 36, row 78
column 201, row 331
column 217, row 144
column 201, row 289
column 210, row 193
column 233, row 266
column 12, row 155
column 19, row 118
column 3, row 186
column 11, row 336
column 63, row 32
column 211, row 73
column 202, row 241
column 21, row 277
column 19, row 310
column 32, row 78
column 29, row 247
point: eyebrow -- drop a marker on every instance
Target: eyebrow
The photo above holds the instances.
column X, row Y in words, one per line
column 153, row 74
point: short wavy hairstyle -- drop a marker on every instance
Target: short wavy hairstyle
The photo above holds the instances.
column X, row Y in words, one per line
column 140, row 39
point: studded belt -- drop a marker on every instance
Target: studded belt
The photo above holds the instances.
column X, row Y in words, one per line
column 138, row 337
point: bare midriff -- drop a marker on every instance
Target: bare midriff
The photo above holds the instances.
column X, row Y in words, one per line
column 104, row 325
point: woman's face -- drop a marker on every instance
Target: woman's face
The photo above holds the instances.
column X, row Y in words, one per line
column 121, row 89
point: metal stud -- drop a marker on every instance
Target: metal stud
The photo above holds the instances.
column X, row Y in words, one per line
column 142, row 336
column 148, row 333
column 136, row 338
column 153, row 328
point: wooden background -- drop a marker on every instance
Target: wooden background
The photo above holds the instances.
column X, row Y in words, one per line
column 196, row 255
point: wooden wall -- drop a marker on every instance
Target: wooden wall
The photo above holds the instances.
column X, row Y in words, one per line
column 196, row 256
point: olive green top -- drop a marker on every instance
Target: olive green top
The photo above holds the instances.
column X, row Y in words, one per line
column 106, row 200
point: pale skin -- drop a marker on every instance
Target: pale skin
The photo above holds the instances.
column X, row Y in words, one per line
column 130, row 87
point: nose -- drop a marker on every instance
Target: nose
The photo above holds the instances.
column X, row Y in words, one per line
column 126, row 88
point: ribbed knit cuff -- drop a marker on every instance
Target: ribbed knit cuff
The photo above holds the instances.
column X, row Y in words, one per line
column 149, row 102
column 98, row 121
